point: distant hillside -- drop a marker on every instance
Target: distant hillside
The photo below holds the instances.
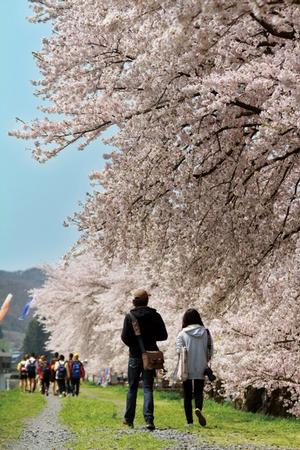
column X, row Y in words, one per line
column 18, row 284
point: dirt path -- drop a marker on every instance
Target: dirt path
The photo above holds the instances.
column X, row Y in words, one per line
column 44, row 432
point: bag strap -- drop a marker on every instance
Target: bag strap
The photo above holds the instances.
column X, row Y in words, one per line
column 137, row 331
column 175, row 371
column 209, row 345
column 174, row 376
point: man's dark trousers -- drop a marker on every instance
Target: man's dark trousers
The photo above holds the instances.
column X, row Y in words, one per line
column 75, row 386
column 135, row 369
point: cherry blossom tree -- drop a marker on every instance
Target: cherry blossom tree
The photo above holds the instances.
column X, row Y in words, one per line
column 260, row 342
column 83, row 305
column 202, row 185
column 205, row 96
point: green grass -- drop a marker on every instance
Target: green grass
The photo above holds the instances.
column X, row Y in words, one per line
column 96, row 418
column 15, row 408
column 227, row 425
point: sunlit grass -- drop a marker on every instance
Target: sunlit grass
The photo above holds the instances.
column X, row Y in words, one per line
column 15, row 408
column 96, row 418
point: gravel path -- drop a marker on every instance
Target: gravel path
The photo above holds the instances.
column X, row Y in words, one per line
column 44, row 432
column 191, row 441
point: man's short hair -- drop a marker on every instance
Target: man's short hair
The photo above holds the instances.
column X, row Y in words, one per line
column 140, row 297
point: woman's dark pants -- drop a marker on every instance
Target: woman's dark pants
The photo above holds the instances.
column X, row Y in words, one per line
column 188, row 396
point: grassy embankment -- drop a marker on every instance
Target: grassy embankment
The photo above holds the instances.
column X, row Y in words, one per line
column 96, row 418
column 15, row 408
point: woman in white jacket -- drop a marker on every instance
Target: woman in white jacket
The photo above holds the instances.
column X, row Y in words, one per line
column 196, row 338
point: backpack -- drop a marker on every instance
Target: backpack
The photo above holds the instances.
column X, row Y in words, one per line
column 61, row 371
column 76, row 370
column 31, row 368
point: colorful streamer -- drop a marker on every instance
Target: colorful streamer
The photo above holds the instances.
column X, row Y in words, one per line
column 5, row 306
column 25, row 310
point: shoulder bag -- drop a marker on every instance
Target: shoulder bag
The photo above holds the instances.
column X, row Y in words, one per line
column 181, row 369
column 151, row 359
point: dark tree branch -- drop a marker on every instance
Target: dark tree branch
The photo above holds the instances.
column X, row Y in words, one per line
column 270, row 29
column 246, row 106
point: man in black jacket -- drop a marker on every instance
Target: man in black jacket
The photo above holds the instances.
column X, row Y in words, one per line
column 152, row 329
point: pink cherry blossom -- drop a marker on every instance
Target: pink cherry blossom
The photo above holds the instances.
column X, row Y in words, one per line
column 201, row 189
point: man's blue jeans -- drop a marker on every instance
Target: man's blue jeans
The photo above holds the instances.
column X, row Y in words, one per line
column 135, row 369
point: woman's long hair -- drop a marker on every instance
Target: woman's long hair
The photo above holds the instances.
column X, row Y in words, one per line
column 191, row 317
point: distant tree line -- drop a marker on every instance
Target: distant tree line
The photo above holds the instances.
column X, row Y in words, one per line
column 36, row 338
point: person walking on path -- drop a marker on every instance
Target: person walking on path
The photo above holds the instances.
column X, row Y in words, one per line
column 198, row 342
column 61, row 375
column 44, row 372
column 152, row 329
column 76, row 374
column 23, row 375
column 69, row 370
column 52, row 372
column 31, row 367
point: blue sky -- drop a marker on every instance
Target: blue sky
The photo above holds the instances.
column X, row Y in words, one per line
column 34, row 199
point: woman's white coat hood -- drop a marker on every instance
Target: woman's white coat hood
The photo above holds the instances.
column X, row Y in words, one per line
column 195, row 330
column 195, row 339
